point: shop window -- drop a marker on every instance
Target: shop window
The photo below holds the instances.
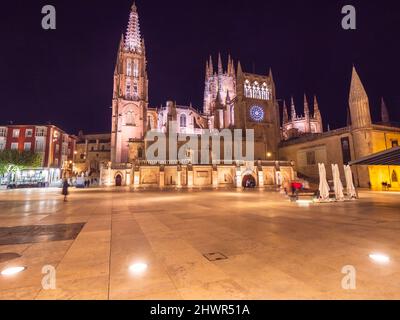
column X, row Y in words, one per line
column 395, row 143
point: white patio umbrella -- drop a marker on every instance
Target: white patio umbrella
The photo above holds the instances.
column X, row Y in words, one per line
column 338, row 186
column 323, row 184
column 351, row 190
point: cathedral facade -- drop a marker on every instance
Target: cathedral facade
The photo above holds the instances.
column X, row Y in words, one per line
column 284, row 147
column 233, row 99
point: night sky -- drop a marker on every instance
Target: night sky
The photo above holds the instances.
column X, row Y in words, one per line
column 65, row 76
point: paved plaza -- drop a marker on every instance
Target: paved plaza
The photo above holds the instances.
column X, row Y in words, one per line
column 227, row 244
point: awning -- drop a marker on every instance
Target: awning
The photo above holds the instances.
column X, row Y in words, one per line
column 384, row 158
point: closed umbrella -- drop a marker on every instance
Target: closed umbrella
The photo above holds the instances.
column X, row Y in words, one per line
column 351, row 190
column 338, row 186
column 323, row 184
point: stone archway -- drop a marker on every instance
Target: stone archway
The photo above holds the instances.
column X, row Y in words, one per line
column 248, row 181
column 118, row 180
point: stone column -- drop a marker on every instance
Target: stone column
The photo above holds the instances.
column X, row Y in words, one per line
column 161, row 183
column 215, row 178
column 137, row 179
column 179, row 178
column 190, row 178
column 238, row 178
column 261, row 179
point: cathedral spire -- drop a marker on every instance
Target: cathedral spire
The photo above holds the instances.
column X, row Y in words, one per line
column 384, row 112
column 317, row 113
column 357, row 91
column 229, row 65
column 233, row 71
column 285, row 113
column 293, row 110
column 220, row 68
column 359, row 103
column 133, row 39
column 239, row 69
column 207, row 70
column 210, row 67
column 307, row 128
column 306, row 107
column 120, row 49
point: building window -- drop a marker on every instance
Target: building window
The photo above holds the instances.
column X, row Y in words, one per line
column 183, row 121
column 129, row 67
column 395, row 143
column 311, row 158
column 135, row 89
column 128, row 88
column 57, row 148
column 82, row 156
column 41, row 132
column 140, row 153
column 2, row 146
column 16, row 133
column 136, row 68
column 102, row 148
column 14, row 146
column 3, row 132
column 28, row 133
column 39, row 146
column 27, row 146
column 394, row 176
column 256, row 91
column 56, row 161
column 346, row 150
column 129, row 118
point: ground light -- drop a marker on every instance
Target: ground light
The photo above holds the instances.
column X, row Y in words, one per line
column 379, row 258
column 12, row 271
column 138, row 268
column 304, row 203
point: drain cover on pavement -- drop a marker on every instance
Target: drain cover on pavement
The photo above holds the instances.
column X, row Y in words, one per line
column 4, row 257
column 215, row 256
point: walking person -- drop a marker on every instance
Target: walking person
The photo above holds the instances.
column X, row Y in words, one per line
column 65, row 187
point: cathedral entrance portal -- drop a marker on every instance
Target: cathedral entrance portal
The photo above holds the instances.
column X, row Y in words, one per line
column 249, row 181
column 118, row 180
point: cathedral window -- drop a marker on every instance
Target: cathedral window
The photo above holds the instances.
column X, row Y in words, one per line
column 247, row 89
column 256, row 91
column 183, row 121
column 135, row 89
column 129, row 67
column 136, row 68
column 129, row 119
column 128, row 88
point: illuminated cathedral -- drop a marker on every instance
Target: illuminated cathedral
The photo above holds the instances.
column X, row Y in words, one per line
column 285, row 147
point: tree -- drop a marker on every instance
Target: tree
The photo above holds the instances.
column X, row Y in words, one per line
column 14, row 160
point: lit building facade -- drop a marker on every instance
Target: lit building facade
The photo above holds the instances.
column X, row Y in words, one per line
column 360, row 138
column 235, row 99
column 54, row 145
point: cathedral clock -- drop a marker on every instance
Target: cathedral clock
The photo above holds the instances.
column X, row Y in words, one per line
column 257, row 113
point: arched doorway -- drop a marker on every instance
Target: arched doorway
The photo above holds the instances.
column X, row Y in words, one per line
column 118, row 180
column 249, row 181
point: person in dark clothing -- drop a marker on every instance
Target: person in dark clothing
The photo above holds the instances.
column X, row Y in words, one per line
column 65, row 187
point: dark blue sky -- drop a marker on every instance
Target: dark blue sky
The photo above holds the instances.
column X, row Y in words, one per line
column 65, row 76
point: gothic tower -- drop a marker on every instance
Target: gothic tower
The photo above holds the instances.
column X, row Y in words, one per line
column 361, row 125
column 219, row 84
column 130, row 97
column 359, row 103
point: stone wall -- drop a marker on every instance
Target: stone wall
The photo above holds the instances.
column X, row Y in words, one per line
column 200, row 176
